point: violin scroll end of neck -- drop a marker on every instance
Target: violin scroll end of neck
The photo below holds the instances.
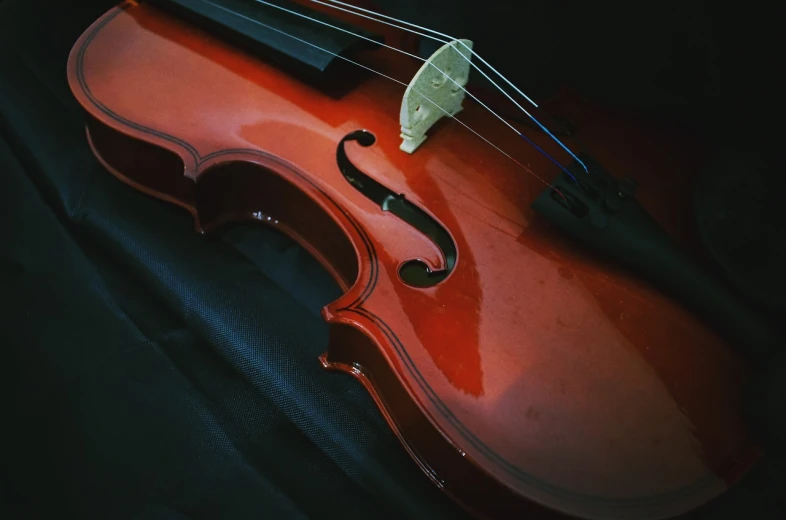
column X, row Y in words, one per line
column 436, row 91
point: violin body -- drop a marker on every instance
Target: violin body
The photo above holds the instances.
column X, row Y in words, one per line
column 534, row 379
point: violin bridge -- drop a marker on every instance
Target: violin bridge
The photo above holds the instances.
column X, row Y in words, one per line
column 436, row 91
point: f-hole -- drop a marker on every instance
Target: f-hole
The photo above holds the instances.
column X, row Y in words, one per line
column 413, row 272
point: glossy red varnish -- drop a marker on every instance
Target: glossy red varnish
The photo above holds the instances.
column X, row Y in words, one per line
column 536, row 378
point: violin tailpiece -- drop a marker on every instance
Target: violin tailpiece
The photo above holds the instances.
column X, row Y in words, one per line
column 603, row 214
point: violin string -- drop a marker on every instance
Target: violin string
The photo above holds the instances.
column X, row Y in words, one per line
column 432, row 31
column 332, row 5
column 409, row 28
column 335, row 27
column 500, row 150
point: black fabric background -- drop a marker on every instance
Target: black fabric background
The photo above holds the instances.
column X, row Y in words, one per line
column 153, row 373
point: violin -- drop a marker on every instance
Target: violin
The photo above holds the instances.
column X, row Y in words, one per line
column 528, row 374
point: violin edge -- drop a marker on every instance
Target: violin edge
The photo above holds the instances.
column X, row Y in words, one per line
column 351, row 351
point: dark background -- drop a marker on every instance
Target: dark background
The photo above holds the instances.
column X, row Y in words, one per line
column 713, row 66
column 168, row 375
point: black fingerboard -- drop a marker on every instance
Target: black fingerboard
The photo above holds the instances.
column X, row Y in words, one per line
column 302, row 46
